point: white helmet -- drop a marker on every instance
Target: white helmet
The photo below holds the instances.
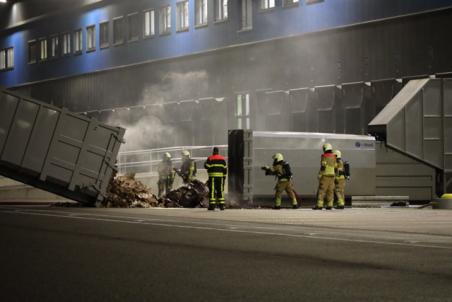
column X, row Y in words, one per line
column 337, row 153
column 327, row 147
column 278, row 157
column 167, row 155
column 185, row 153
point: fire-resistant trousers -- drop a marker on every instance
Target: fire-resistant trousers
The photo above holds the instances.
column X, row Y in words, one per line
column 326, row 188
column 287, row 186
column 165, row 185
column 216, row 187
column 340, row 191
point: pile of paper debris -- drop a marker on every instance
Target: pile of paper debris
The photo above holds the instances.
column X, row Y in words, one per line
column 127, row 192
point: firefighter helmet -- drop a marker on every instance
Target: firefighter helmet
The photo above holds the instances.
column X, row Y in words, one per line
column 166, row 155
column 185, row 153
column 327, row 147
column 337, row 153
column 278, row 157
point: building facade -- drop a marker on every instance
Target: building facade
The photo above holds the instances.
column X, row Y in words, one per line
column 183, row 72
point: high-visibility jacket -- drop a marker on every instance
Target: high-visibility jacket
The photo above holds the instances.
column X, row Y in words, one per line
column 216, row 166
column 327, row 164
column 340, row 171
column 281, row 170
column 165, row 169
column 188, row 169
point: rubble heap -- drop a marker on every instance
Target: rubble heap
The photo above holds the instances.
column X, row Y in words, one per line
column 192, row 195
column 127, row 192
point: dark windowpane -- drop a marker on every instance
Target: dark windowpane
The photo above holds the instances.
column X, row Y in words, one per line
column 104, row 40
column 133, row 29
column 118, row 31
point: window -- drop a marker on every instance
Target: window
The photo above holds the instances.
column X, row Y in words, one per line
column 242, row 112
column 201, row 12
column 118, row 31
column 104, row 40
column 3, row 59
column 247, row 14
column 66, row 47
column 78, row 42
column 165, row 20
column 91, row 38
column 182, row 16
column 43, row 49
column 54, row 46
column 291, row 2
column 149, row 23
column 32, row 52
column 10, row 58
column 221, row 10
column 267, row 4
column 134, row 27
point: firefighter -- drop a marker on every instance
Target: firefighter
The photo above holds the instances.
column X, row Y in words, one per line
column 339, row 180
column 187, row 170
column 281, row 169
column 217, row 170
column 166, row 174
column 326, row 178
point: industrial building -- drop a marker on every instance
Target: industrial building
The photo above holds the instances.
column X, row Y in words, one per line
column 181, row 73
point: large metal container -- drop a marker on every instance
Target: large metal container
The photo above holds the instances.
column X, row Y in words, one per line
column 249, row 150
column 55, row 150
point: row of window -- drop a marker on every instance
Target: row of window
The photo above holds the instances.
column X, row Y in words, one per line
column 6, row 59
column 134, row 25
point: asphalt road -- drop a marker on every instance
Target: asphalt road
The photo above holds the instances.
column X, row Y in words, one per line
column 58, row 254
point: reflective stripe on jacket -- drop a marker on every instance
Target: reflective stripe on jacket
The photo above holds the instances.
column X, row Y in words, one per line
column 216, row 166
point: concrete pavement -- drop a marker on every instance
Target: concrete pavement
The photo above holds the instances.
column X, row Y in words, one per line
column 80, row 254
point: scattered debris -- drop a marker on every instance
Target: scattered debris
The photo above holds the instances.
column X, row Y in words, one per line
column 192, row 195
column 127, row 192
column 400, row 204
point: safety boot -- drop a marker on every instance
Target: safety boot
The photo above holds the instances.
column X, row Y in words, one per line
column 221, row 207
column 317, row 208
column 211, row 207
column 276, row 208
column 295, row 206
column 340, row 207
column 329, row 208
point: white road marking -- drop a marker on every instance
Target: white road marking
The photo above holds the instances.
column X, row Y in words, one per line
column 111, row 219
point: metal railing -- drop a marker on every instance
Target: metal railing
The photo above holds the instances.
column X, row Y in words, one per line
column 145, row 162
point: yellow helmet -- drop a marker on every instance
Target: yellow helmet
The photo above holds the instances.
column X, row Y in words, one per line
column 167, row 155
column 278, row 157
column 337, row 153
column 185, row 153
column 327, row 147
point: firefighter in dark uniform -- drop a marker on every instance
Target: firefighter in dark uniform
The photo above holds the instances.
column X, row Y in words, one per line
column 281, row 169
column 187, row 170
column 217, row 170
column 166, row 175
column 326, row 178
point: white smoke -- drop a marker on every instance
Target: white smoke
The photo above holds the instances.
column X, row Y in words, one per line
column 145, row 123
